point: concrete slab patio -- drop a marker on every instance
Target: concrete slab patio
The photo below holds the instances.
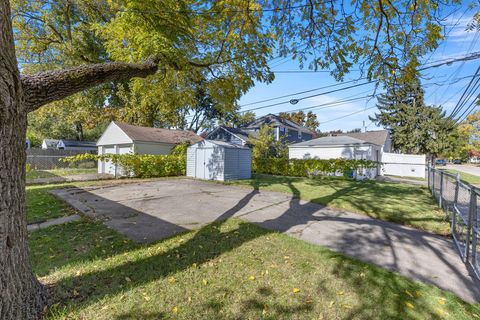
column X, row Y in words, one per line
column 150, row 211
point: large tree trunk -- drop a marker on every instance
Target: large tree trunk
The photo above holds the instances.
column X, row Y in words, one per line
column 21, row 295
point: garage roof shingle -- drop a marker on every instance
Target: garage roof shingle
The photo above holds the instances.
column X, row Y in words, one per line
column 147, row 134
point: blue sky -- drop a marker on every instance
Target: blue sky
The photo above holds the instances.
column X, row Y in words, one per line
column 442, row 85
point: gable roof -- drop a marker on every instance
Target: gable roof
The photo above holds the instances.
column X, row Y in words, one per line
column 147, row 134
column 50, row 143
column 273, row 120
column 331, row 141
column 242, row 134
column 76, row 143
column 378, row 137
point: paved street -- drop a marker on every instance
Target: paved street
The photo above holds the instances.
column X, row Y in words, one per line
column 467, row 168
column 150, row 211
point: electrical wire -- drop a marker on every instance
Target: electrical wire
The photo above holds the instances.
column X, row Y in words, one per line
column 308, row 97
column 301, row 92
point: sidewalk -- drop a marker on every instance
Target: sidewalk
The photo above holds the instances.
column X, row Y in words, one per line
column 60, row 179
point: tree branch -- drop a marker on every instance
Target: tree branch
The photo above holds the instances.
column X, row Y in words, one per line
column 45, row 87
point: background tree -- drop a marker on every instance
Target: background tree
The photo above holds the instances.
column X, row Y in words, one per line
column 266, row 146
column 224, row 41
column 414, row 127
column 466, row 140
column 308, row 120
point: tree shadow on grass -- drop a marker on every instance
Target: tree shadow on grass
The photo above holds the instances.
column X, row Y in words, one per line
column 211, row 241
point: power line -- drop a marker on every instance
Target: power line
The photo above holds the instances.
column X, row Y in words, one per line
column 308, row 97
column 329, row 104
column 469, row 110
column 460, row 101
column 301, row 92
column 348, row 115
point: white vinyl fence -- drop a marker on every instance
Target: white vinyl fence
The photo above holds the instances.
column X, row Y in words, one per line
column 404, row 165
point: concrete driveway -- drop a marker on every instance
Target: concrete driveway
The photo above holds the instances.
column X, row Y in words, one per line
column 150, row 211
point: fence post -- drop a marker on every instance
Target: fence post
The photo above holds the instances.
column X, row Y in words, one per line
column 457, row 186
column 433, row 182
column 471, row 212
column 440, row 199
column 428, row 176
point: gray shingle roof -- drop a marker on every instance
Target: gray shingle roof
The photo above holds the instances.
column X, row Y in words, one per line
column 376, row 137
column 76, row 143
column 330, row 141
column 147, row 134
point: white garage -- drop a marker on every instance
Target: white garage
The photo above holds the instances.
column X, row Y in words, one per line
column 218, row 160
column 122, row 138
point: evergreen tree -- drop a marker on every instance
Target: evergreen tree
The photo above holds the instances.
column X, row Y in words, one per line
column 414, row 127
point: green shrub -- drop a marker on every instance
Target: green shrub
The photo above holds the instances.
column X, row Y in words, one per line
column 141, row 166
column 310, row 167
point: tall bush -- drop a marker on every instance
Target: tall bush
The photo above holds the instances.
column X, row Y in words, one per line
column 311, row 167
column 141, row 166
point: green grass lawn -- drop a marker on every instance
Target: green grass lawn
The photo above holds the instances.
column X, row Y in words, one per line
column 228, row 270
column 42, row 206
column 37, row 174
column 466, row 177
column 405, row 204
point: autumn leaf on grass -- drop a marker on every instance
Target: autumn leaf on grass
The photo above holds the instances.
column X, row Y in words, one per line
column 175, row 309
column 205, row 282
column 409, row 305
column 296, row 290
column 442, row 312
column 172, row 280
column 128, row 279
column 441, row 301
column 252, row 278
column 340, row 293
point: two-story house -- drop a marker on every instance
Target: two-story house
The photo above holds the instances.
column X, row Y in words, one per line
column 284, row 129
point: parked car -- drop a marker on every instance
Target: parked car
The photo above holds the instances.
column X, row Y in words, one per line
column 457, row 161
column 440, row 162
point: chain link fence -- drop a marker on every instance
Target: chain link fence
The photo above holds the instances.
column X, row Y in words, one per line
column 40, row 159
column 460, row 201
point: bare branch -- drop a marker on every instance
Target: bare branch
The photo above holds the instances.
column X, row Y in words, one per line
column 45, row 87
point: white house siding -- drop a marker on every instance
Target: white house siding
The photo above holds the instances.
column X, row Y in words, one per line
column 405, row 165
column 108, row 166
column 113, row 135
column 191, row 161
column 152, row 148
column 334, row 152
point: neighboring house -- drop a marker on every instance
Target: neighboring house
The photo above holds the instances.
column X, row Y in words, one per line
column 291, row 132
column 370, row 145
column 122, row 138
column 231, row 135
column 50, row 144
column 76, row 145
column 474, row 156
column 333, row 147
column 287, row 130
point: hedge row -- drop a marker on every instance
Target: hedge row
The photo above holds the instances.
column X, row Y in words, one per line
column 141, row 166
column 310, row 167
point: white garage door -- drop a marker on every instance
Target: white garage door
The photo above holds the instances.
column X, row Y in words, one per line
column 109, row 166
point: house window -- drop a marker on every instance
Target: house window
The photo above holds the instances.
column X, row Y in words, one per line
column 300, row 135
